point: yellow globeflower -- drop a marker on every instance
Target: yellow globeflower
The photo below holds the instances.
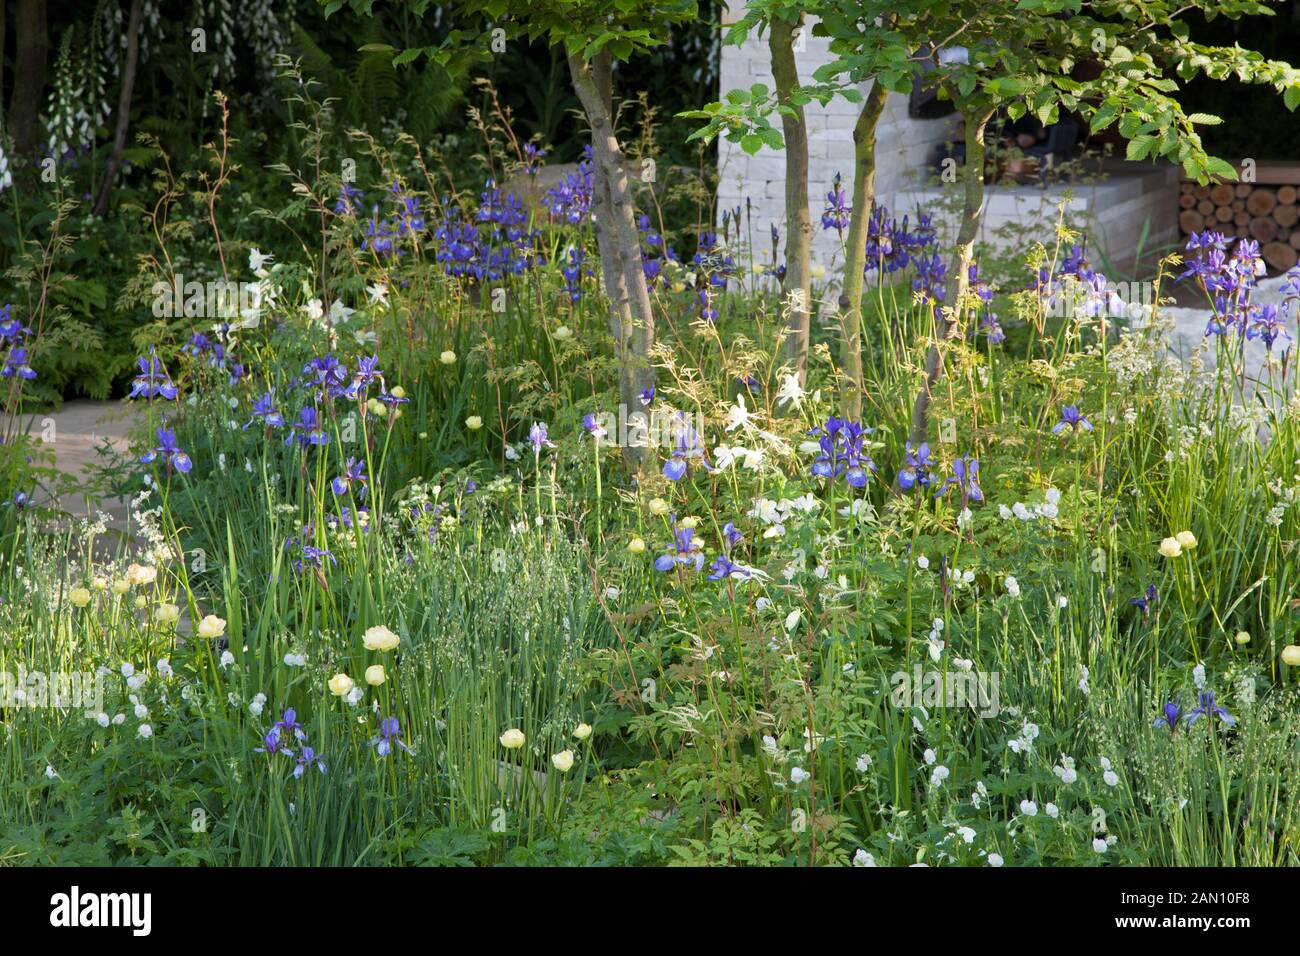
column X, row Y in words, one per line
column 1243, row 637
column 1186, row 539
column 212, row 626
column 512, row 739
column 563, row 761
column 167, row 614
column 79, row 597
column 448, row 357
column 380, row 638
column 636, row 545
column 340, row 684
column 474, row 423
column 582, row 731
column 659, row 507
column 1291, row 655
column 141, row 574
column 1170, row 548
column 375, row 675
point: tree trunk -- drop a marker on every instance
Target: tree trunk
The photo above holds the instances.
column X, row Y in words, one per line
column 617, row 238
column 958, row 278
column 123, row 109
column 798, row 219
column 855, row 256
column 32, row 45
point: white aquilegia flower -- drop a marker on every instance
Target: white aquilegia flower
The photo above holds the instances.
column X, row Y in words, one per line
column 995, row 859
column 863, row 858
column 790, row 391
column 938, row 775
column 863, row 763
column 1029, row 808
column 798, row 775
column 738, row 415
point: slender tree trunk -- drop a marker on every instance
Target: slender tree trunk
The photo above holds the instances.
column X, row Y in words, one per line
column 958, row 278
column 123, row 109
column 32, row 46
column 798, row 219
column 855, row 256
column 617, row 237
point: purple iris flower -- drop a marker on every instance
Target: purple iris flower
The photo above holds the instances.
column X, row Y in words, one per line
column 840, row 452
column 169, row 452
column 306, row 758
column 1266, row 324
column 349, row 199
column 307, row 430
column 538, row 437
column 153, row 381
column 1170, row 717
column 1071, row 418
column 327, row 374
column 686, row 550
column 730, row 536
column 591, row 425
column 836, row 214
column 288, row 724
column 647, row 396
column 367, row 373
column 1147, row 601
column 390, row 732
column 16, row 364
column 916, row 470
column 264, row 408
column 686, row 446
column 11, row 329
column 965, row 478
column 354, row 473
column 271, row 744
column 1208, row 708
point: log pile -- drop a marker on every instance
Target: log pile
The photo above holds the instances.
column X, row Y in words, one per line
column 1269, row 214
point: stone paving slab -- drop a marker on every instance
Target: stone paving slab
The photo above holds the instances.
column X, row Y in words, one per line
column 74, row 434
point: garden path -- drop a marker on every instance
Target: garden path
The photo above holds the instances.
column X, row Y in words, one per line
column 75, row 433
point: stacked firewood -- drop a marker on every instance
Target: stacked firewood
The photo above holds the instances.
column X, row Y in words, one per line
column 1266, row 213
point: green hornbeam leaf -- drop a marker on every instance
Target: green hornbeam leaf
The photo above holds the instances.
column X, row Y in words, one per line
column 772, row 138
column 1139, row 148
column 1220, row 168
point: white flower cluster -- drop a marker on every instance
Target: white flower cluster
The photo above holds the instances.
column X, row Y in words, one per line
column 1049, row 508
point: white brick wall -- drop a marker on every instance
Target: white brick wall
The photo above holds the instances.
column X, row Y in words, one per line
column 1113, row 212
column 903, row 145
